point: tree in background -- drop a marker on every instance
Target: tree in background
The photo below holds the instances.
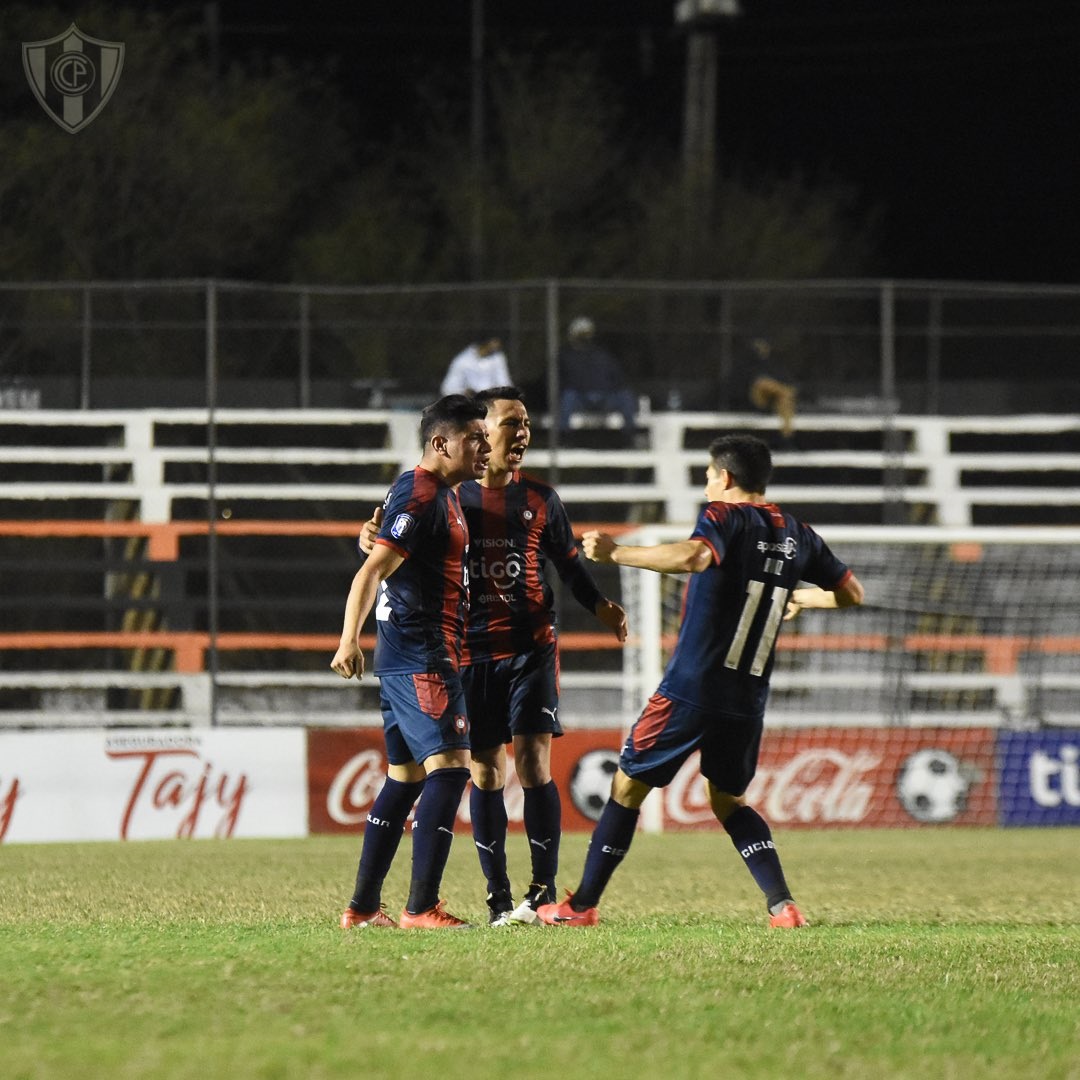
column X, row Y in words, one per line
column 258, row 175
column 571, row 186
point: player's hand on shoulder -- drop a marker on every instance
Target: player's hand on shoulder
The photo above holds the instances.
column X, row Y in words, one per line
column 597, row 546
column 369, row 531
column 613, row 617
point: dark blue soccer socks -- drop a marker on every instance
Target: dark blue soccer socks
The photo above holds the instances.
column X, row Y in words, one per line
column 753, row 840
column 608, row 847
column 543, row 826
column 382, row 834
column 433, row 833
column 489, row 823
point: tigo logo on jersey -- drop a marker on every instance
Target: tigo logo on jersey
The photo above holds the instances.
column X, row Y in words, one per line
column 402, row 524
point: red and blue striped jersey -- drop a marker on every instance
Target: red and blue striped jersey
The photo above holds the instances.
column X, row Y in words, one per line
column 515, row 532
column 421, row 610
column 732, row 611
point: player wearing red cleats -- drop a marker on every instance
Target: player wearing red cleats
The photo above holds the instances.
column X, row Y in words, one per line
column 435, row 918
column 564, row 915
column 354, row 920
column 789, row 917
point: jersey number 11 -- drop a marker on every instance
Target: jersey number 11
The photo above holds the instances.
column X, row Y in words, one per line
column 777, row 602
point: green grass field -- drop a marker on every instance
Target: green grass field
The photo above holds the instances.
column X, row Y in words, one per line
column 932, row 954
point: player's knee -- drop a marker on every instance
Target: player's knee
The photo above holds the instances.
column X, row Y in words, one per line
column 723, row 803
column 627, row 791
column 486, row 776
column 532, row 770
column 532, row 760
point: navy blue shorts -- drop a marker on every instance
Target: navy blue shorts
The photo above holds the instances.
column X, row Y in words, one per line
column 515, row 696
column 668, row 732
column 422, row 715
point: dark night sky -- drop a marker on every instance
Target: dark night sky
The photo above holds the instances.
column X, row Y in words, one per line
column 959, row 118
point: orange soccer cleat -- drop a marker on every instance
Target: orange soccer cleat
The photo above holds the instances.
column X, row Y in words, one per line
column 435, row 918
column 789, row 917
column 564, row 915
column 354, row 920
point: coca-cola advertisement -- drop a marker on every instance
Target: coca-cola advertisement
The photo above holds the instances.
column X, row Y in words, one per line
column 806, row 778
column 151, row 785
column 848, row 777
column 346, row 768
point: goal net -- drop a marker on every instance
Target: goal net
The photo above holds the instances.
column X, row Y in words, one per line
column 967, row 647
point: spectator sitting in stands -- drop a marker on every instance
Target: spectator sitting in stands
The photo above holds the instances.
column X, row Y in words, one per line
column 478, row 367
column 763, row 381
column 591, row 380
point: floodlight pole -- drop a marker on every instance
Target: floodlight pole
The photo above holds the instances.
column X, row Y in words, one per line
column 476, row 238
column 699, row 19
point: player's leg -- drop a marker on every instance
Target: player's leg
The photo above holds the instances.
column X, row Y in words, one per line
column 487, row 808
column 534, row 723
column 728, row 762
column 610, row 840
column 383, row 830
column 485, row 686
column 542, row 807
column 662, row 738
column 432, row 719
column 533, row 707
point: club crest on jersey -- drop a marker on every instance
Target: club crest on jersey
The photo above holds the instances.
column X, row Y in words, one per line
column 402, row 524
column 527, row 515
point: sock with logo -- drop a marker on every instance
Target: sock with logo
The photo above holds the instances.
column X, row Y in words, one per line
column 543, row 826
column 382, row 834
column 433, row 833
column 753, row 840
column 489, row 823
column 609, row 844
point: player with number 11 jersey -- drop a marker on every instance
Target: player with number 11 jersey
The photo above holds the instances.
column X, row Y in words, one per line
column 733, row 610
column 746, row 558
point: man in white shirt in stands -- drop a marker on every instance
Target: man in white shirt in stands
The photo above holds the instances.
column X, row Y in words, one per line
column 480, row 366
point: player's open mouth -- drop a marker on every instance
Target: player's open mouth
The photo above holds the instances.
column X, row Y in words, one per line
column 517, row 451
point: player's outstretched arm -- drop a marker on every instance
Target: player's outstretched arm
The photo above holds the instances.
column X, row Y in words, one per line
column 849, row 594
column 685, row 556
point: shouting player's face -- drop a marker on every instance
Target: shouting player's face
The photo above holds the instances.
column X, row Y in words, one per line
column 509, row 433
column 467, row 453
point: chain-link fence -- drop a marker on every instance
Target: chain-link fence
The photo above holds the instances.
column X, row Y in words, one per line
column 875, row 345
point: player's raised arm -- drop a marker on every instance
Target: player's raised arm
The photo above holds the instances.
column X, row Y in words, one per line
column 685, row 556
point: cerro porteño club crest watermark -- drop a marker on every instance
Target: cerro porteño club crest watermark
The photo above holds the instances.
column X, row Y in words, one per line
column 73, row 75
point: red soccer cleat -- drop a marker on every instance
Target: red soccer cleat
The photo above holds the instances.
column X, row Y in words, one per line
column 564, row 915
column 435, row 918
column 789, row 917
column 354, row 920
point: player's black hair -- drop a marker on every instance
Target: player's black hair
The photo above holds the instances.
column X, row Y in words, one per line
column 746, row 457
column 499, row 393
column 451, row 413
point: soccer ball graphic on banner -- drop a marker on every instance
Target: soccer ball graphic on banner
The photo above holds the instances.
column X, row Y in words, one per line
column 590, row 782
column 933, row 785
